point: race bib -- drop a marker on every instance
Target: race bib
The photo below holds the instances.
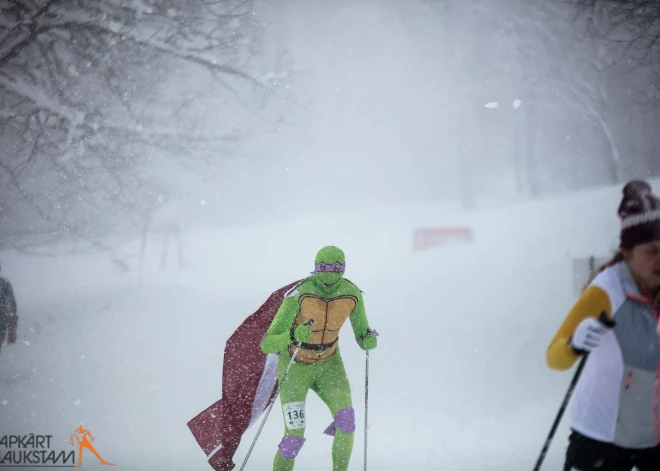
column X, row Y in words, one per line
column 294, row 415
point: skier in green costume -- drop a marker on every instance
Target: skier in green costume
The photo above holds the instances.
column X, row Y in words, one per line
column 328, row 299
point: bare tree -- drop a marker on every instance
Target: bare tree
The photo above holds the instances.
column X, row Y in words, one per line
column 83, row 111
column 533, row 52
column 630, row 30
column 627, row 41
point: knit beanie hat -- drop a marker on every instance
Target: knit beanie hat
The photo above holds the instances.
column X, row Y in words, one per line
column 640, row 215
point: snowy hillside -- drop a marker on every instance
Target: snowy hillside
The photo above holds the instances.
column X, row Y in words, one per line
column 458, row 382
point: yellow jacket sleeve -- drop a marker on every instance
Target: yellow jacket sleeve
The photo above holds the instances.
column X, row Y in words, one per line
column 560, row 355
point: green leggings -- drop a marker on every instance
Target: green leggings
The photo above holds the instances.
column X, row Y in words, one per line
column 328, row 380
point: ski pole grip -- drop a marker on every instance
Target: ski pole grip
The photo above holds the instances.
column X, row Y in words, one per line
column 606, row 321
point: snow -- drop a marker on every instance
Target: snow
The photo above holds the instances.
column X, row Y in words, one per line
column 458, row 382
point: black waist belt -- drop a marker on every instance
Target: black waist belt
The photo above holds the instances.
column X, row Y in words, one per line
column 312, row 346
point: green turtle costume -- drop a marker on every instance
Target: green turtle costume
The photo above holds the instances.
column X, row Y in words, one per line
column 327, row 299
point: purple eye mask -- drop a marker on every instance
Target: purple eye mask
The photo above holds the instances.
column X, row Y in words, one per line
column 330, row 267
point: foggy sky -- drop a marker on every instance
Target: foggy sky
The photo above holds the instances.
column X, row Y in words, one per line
column 372, row 104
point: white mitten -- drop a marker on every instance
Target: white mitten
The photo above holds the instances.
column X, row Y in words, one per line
column 589, row 335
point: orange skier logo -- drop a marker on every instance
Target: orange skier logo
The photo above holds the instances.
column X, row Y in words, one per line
column 85, row 442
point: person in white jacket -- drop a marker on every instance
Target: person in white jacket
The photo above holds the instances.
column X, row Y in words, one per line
column 616, row 405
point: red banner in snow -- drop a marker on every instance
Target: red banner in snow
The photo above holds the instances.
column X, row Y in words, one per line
column 429, row 237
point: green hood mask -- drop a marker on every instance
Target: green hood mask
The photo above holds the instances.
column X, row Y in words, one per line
column 330, row 264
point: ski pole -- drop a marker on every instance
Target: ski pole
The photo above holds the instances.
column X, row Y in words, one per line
column 609, row 323
column 366, row 397
column 309, row 323
column 366, row 407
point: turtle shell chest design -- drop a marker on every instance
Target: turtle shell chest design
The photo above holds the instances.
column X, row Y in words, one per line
column 329, row 316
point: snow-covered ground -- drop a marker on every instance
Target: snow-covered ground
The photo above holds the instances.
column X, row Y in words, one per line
column 458, row 382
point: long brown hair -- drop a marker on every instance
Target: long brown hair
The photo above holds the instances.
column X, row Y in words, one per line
column 618, row 257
